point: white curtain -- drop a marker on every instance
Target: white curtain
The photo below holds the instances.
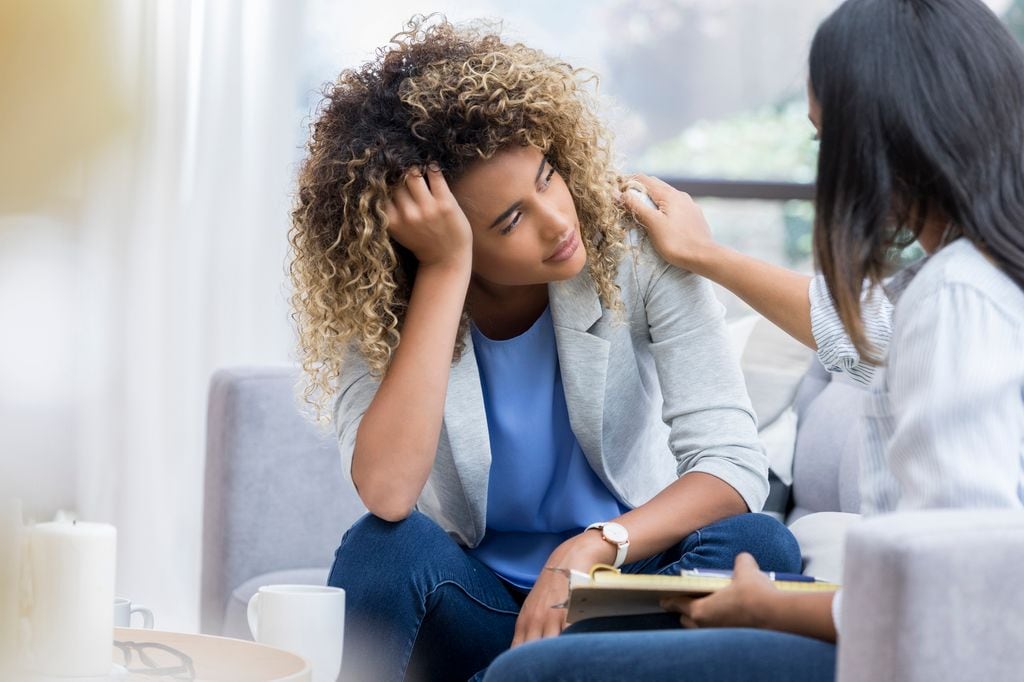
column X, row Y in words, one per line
column 181, row 259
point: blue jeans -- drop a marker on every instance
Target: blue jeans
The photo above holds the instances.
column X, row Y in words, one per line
column 420, row 607
column 714, row 655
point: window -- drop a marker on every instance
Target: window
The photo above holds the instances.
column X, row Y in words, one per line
column 709, row 94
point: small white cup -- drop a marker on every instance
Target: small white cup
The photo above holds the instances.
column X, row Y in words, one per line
column 123, row 611
column 304, row 619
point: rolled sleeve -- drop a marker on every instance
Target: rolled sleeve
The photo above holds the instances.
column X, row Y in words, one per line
column 836, row 351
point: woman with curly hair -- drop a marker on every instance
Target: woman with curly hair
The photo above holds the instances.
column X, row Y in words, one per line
column 520, row 385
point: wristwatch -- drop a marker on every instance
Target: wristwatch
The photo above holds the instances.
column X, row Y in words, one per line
column 616, row 534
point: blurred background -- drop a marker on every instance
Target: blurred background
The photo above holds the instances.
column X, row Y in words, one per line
column 148, row 150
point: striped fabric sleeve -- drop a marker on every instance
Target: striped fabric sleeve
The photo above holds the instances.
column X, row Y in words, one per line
column 835, row 349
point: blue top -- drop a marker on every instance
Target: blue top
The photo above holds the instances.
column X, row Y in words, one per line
column 541, row 490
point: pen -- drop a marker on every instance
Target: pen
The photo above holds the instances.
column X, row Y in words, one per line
column 772, row 575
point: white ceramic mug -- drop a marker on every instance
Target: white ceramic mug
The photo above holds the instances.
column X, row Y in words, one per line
column 304, row 619
column 124, row 609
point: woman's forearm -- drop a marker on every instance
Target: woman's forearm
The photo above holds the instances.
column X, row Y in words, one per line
column 691, row 502
column 397, row 438
column 809, row 615
column 778, row 294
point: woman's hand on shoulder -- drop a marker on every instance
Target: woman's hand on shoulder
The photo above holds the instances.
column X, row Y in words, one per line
column 677, row 228
column 425, row 218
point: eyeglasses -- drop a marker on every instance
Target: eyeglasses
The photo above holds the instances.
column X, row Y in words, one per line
column 156, row 660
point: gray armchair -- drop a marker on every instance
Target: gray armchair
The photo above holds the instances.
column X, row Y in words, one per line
column 934, row 596
column 275, row 504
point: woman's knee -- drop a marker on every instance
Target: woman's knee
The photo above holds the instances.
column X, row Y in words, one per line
column 773, row 545
column 373, row 529
column 768, row 540
column 375, row 545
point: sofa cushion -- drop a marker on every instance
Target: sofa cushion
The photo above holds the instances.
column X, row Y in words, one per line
column 822, row 538
column 826, row 460
column 773, row 364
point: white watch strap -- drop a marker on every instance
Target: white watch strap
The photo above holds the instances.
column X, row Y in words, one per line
column 620, row 555
column 621, row 549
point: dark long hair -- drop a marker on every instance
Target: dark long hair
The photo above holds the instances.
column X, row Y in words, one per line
column 922, row 115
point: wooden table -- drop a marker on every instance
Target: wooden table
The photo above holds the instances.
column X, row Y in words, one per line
column 211, row 658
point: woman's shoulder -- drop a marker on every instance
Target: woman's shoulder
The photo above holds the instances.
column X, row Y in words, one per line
column 962, row 267
column 654, row 291
column 641, row 267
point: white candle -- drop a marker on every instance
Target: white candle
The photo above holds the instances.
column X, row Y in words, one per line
column 70, row 611
column 10, row 569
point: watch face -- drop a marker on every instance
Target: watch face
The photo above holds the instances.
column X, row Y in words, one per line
column 614, row 532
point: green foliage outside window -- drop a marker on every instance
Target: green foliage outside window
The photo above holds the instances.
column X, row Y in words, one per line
column 770, row 143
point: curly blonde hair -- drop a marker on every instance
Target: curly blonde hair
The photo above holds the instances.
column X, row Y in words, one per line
column 437, row 94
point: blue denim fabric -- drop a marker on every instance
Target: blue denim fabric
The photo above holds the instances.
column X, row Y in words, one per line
column 714, row 655
column 716, row 546
column 420, row 608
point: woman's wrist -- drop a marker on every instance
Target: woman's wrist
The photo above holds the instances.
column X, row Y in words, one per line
column 585, row 550
column 457, row 261
column 705, row 259
column 445, row 278
column 767, row 608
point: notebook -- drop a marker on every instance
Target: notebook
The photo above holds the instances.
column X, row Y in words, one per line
column 606, row 591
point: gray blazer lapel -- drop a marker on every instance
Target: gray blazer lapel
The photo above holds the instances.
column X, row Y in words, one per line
column 466, row 424
column 583, row 358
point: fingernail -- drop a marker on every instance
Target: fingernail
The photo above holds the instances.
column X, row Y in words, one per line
column 434, row 166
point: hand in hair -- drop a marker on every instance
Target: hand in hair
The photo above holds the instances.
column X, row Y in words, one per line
column 424, row 217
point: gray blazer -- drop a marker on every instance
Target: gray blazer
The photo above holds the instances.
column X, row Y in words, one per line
column 652, row 395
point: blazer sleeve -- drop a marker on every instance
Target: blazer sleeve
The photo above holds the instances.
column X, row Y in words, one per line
column 356, row 388
column 712, row 427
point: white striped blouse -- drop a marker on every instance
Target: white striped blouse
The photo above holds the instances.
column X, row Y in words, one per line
column 944, row 423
